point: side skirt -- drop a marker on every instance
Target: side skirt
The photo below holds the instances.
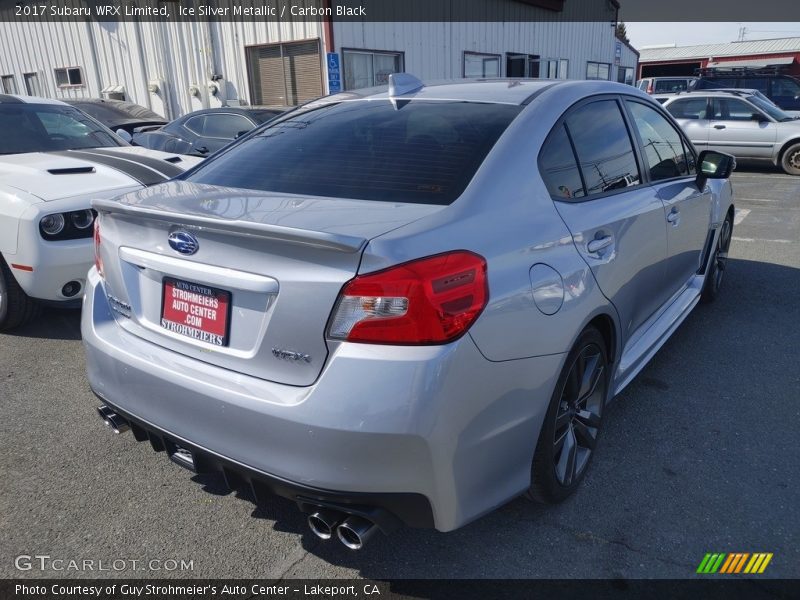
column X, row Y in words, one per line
column 655, row 332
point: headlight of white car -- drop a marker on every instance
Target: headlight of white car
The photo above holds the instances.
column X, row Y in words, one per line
column 71, row 225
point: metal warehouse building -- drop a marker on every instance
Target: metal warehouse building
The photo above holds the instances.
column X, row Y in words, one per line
column 686, row 60
column 177, row 67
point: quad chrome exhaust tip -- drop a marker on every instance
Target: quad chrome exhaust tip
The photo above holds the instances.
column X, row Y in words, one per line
column 112, row 419
column 324, row 522
column 355, row 532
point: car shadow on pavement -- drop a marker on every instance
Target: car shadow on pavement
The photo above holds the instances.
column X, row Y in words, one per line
column 639, row 500
column 52, row 323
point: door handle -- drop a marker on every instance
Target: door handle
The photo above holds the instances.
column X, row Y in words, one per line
column 597, row 245
column 720, row 126
column 674, row 216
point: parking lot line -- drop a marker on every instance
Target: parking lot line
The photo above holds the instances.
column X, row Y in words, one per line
column 741, row 239
column 741, row 214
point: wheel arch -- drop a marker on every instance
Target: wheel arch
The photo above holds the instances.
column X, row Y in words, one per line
column 607, row 327
column 784, row 148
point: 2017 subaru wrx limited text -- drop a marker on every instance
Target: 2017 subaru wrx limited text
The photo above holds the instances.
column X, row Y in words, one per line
column 406, row 306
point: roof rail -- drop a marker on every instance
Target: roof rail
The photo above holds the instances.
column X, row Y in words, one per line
column 722, row 70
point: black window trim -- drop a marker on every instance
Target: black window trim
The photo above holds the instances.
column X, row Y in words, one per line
column 644, row 180
column 686, row 142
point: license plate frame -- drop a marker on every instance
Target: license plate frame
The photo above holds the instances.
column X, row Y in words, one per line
column 218, row 337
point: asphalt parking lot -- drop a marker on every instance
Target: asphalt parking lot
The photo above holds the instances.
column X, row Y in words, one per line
column 697, row 456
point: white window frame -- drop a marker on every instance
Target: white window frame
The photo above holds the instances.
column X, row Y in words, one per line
column 398, row 53
column 66, row 71
column 598, row 64
column 485, row 56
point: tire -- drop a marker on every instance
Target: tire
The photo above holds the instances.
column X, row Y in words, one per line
column 718, row 262
column 573, row 421
column 16, row 307
column 790, row 160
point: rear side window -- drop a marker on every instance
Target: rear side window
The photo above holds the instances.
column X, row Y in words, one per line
column 784, row 87
column 732, row 109
column 671, row 85
column 755, row 83
column 226, row 126
column 417, row 151
column 661, row 142
column 690, row 108
column 559, row 168
column 603, row 146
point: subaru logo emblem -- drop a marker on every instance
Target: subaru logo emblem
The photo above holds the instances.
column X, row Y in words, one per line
column 183, row 242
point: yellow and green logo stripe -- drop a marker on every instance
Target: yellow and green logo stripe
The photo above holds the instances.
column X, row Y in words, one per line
column 734, row 562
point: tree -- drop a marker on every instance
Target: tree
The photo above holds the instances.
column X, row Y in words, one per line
column 622, row 32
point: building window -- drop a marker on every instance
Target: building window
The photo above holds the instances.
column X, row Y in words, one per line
column 368, row 68
column 522, row 65
column 284, row 74
column 598, row 70
column 32, row 87
column 553, row 68
column 68, row 76
column 481, row 65
column 9, row 84
column 625, row 75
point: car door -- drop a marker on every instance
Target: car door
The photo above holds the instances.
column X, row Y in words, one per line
column 670, row 165
column 741, row 129
column 691, row 113
column 616, row 222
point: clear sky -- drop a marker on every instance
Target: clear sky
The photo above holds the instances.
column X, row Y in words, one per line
column 690, row 34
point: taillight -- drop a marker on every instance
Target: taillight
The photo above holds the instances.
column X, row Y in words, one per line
column 431, row 300
column 98, row 262
column 650, row 88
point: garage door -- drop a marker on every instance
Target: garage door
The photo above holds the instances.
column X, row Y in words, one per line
column 285, row 74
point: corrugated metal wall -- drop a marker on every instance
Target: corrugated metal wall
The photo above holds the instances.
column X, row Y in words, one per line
column 177, row 60
column 436, row 50
column 177, row 56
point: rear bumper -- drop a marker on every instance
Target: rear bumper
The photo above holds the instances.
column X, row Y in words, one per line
column 387, row 511
column 398, row 429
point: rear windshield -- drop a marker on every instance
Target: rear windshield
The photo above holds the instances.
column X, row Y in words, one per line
column 419, row 151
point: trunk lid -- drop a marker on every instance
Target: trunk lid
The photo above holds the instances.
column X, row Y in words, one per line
column 275, row 263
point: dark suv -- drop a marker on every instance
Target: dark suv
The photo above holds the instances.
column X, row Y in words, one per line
column 783, row 90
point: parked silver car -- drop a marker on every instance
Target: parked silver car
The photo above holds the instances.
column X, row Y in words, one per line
column 741, row 123
column 406, row 306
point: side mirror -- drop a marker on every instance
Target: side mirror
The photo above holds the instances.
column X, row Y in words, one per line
column 758, row 117
column 714, row 165
column 124, row 135
column 241, row 133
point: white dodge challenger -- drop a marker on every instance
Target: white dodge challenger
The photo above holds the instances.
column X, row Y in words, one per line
column 54, row 160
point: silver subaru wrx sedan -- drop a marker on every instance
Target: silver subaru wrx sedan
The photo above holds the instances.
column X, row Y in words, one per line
column 406, row 305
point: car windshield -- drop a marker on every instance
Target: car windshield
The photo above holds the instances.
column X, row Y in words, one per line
column 395, row 151
column 49, row 128
column 771, row 109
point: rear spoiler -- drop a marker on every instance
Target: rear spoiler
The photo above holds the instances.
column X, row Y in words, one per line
column 292, row 235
